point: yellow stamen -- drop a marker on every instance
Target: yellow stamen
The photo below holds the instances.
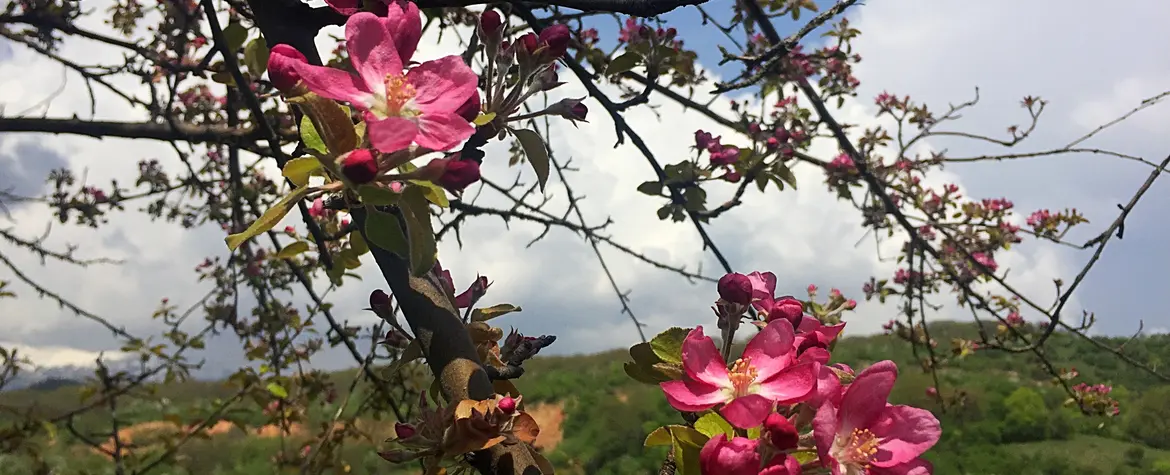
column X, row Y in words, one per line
column 398, row 93
column 742, row 375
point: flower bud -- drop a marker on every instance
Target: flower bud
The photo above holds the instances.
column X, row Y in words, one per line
column 404, row 431
column 781, row 432
column 787, row 308
column 571, row 109
column 556, row 38
column 281, row 71
column 470, row 109
column 507, row 404
column 359, row 166
column 735, row 288
column 490, row 25
column 529, row 42
column 451, row 172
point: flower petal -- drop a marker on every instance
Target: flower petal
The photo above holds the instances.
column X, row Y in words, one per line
column 442, row 85
column 391, row 134
column 702, row 360
column 791, row 385
column 828, row 387
column 906, row 433
column 763, row 285
column 334, row 84
column 738, row 456
column 865, row 399
column 442, row 130
column 405, row 25
column 913, row 467
column 345, row 7
column 692, row 396
column 748, row 411
column 825, row 427
column 770, row 349
column 371, row 50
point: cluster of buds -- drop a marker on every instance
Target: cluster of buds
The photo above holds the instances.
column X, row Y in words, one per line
column 444, row 434
column 534, row 56
column 1047, row 224
column 1095, row 400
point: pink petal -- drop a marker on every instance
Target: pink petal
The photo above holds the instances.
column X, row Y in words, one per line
column 403, row 23
column 913, row 467
column 748, row 411
column 391, row 134
column 814, row 355
column 825, row 427
column 371, row 50
column 334, row 84
column 702, row 360
column 865, row 399
column 738, row 456
column 906, row 433
column 345, row 7
column 769, row 348
column 442, row 85
column 782, row 464
column 692, row 396
column 763, row 285
column 792, row 385
column 442, row 130
column 828, row 388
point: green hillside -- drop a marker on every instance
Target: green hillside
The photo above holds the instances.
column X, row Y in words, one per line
column 1012, row 421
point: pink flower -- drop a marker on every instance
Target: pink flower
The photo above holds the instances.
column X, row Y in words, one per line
column 741, row 456
column 811, row 333
column 420, row 106
column 735, row 288
column 765, row 301
column 281, row 67
column 864, row 434
column 768, row 373
column 359, row 166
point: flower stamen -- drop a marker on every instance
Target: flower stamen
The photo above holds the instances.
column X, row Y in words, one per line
column 399, row 93
column 742, row 375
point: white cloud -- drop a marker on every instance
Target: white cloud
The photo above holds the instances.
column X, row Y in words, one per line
column 804, row 236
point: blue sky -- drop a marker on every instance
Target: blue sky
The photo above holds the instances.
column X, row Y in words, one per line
column 937, row 51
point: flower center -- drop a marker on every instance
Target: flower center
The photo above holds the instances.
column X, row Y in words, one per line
column 399, row 94
column 855, row 451
column 742, row 375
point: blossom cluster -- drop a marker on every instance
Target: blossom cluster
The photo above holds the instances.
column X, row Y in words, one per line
column 799, row 410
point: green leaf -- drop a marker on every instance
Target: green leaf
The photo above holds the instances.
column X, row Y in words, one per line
column 349, row 259
column 687, row 444
column 537, row 155
column 666, row 372
column 268, row 219
column 434, row 193
column 668, row 345
column 412, row 352
column 235, row 34
column 484, row 119
column 712, row 424
column 298, row 169
column 377, row 196
column 256, row 56
column 485, row 314
column 310, row 136
column 223, row 77
column 623, row 63
column 652, row 188
column 784, row 173
column 636, row 373
column 277, row 390
column 332, row 129
column 358, row 243
column 417, row 213
column 384, row 230
column 660, row 436
column 643, row 355
column 292, row 250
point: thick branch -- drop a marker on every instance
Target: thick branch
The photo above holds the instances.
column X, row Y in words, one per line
column 133, row 130
column 448, row 349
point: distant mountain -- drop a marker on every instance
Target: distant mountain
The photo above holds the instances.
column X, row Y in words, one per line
column 52, row 377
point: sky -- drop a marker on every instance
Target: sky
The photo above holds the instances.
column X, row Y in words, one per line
column 937, row 51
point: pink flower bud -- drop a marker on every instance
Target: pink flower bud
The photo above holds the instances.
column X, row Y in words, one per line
column 490, row 23
column 556, row 37
column 379, row 300
column 702, row 139
column 470, row 109
column 507, row 404
column 932, row 391
column 451, row 172
column 404, row 431
column 571, row 109
column 851, row 304
column 781, row 432
column 359, row 166
column 281, row 71
column 812, row 289
column 530, row 42
column 787, row 308
column 735, row 288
